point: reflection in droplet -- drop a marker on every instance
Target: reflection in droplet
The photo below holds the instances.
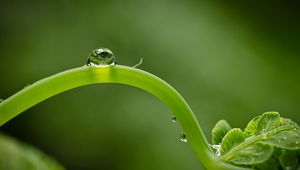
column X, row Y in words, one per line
column 174, row 119
column 100, row 57
column 183, row 137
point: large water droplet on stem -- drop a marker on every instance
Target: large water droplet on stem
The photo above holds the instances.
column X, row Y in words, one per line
column 183, row 137
column 100, row 57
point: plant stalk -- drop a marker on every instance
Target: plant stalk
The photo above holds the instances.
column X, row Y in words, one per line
column 85, row 75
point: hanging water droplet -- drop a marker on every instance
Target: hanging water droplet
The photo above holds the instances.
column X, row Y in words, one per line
column 100, row 57
column 183, row 137
column 174, row 119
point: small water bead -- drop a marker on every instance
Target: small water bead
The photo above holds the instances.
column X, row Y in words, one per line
column 183, row 137
column 174, row 119
column 100, row 57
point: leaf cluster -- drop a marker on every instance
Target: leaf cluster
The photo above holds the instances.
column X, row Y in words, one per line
column 268, row 142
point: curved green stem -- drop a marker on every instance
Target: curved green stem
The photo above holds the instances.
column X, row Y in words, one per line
column 81, row 76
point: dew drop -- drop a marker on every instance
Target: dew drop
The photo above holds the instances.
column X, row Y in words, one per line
column 101, row 57
column 217, row 148
column 174, row 119
column 183, row 137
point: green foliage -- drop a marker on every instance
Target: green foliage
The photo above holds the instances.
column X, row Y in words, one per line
column 251, row 127
column 233, row 138
column 289, row 160
column 268, row 142
column 18, row 156
column 219, row 131
column 252, row 154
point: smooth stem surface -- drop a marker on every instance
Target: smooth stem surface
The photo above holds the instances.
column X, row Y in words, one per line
column 81, row 76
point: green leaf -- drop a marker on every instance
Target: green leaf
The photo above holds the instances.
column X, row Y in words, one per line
column 219, row 131
column 251, row 127
column 267, row 122
column 289, row 139
column 286, row 135
column 234, row 137
column 252, row 154
column 277, row 131
column 288, row 160
column 272, row 162
column 18, row 156
column 262, row 135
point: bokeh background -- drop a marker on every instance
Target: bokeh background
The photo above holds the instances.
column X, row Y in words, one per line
column 230, row 60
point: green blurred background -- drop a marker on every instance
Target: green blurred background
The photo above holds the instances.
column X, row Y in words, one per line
column 230, row 60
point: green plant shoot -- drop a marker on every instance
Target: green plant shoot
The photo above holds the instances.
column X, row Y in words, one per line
column 231, row 149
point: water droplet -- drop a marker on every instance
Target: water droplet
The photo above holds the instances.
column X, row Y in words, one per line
column 217, row 148
column 183, row 137
column 100, row 57
column 218, row 153
column 174, row 119
column 297, row 142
